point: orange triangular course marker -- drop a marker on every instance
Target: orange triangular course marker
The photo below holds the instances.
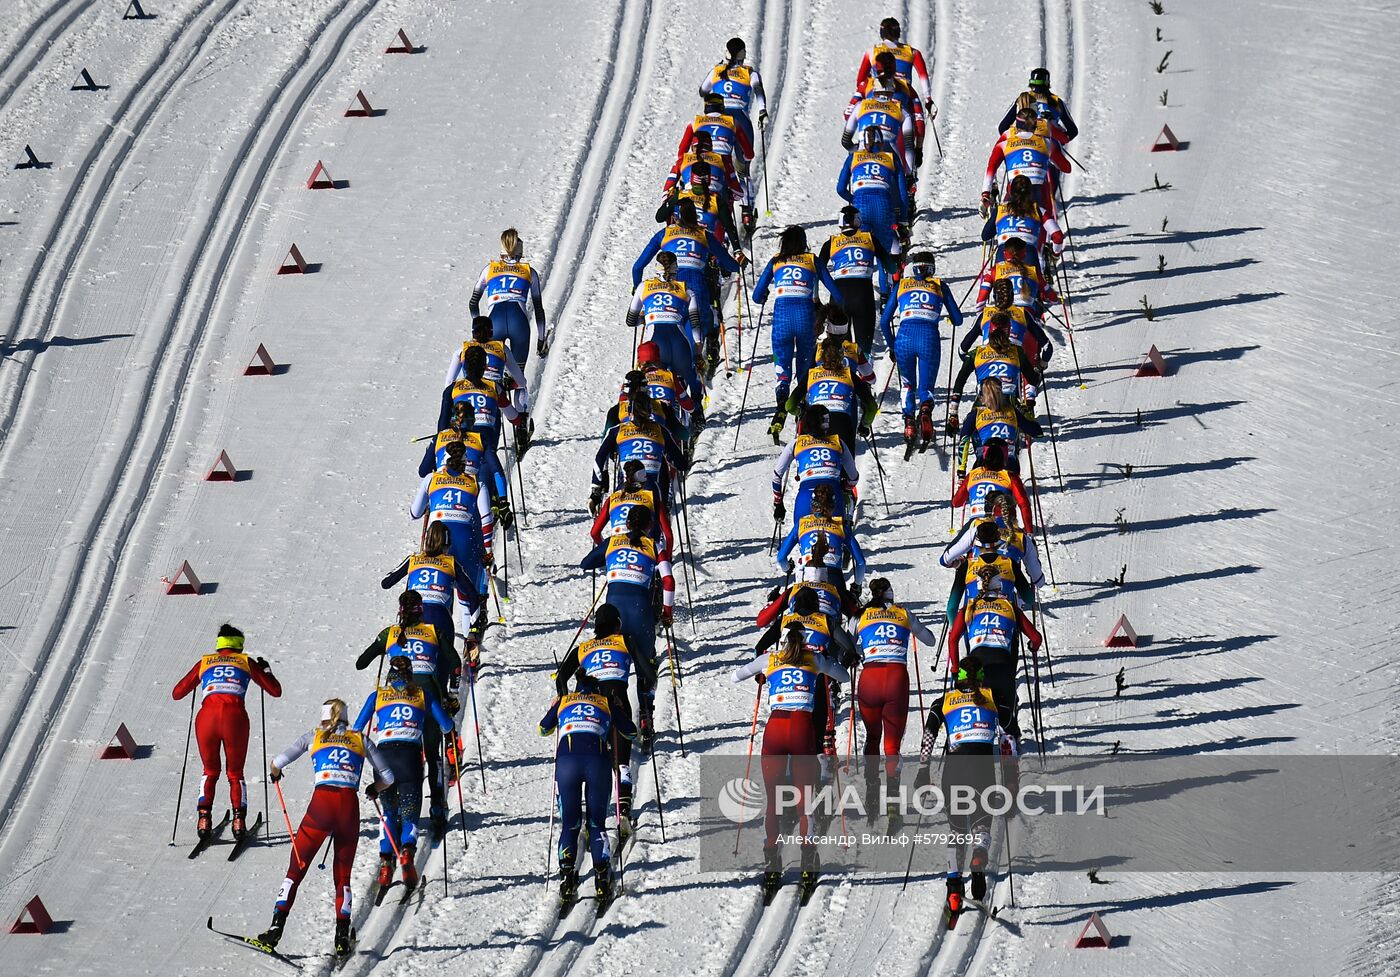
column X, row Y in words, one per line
column 39, row 920
column 1166, row 141
column 320, row 178
column 401, row 45
column 261, row 365
column 223, row 470
column 1100, row 937
column 122, row 745
column 359, row 107
column 1152, row 364
column 184, row 581
column 294, row 263
column 1122, row 635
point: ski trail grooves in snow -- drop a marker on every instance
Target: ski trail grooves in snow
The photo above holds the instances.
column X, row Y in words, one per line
column 12, row 73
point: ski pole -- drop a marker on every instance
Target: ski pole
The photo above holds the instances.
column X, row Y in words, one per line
column 1069, row 235
column 267, row 810
column 675, row 691
column 288, row 818
column 1006, row 826
column 918, row 678
column 660, row 812
column 977, row 278
column 491, row 579
column 617, row 813
column 1050, row 427
column 1069, row 331
column 936, row 141
column 553, row 807
column 457, row 773
column 325, row 850
column 880, row 469
column 851, row 722
column 885, row 389
column 774, row 541
column 184, row 764
column 1035, row 713
column 515, row 526
column 767, row 200
column 601, row 591
column 748, row 765
column 471, row 689
column 384, row 823
column 1040, row 518
column 753, row 362
column 1039, row 622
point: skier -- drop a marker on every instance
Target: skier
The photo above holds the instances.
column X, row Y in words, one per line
column 884, row 112
column 400, row 710
column 832, row 384
column 640, row 436
column 833, row 599
column 990, row 475
column 455, row 497
column 986, row 535
column 606, row 660
column 611, row 518
column 502, row 370
column 633, row 563
column 790, row 674
column 919, row 301
column 723, row 179
column 338, row 757
column 792, row 273
column 1000, row 361
column 684, row 414
column 908, row 62
column 222, row 679
column 476, row 460
column 693, row 247
column 821, row 460
column 839, row 539
column 993, row 625
column 584, row 720
column 1003, row 418
column 1039, row 89
column 714, row 207
column 1020, row 217
column 668, row 309
column 860, row 265
column 435, row 574
column 436, row 667
column 1029, row 288
column 886, row 82
column 507, row 285
column 969, row 715
column 487, row 404
column 1025, row 330
column 883, row 633
column 1022, row 150
column 873, row 181
column 837, row 325
column 741, row 87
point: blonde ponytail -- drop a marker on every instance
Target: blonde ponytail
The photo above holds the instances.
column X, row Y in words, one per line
column 511, row 246
column 336, row 708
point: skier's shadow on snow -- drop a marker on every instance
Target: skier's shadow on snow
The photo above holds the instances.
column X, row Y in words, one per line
column 1079, row 481
column 1124, row 316
column 1194, row 647
column 1101, row 424
column 1099, row 530
column 1108, row 590
column 1167, row 900
column 1179, row 271
column 41, row 345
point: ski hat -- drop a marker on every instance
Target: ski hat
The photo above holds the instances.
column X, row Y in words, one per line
column 881, row 589
column 850, row 218
column 400, row 665
column 607, row 618
column 648, row 352
column 229, row 639
column 1040, row 79
column 889, row 29
column 921, row 260
column 735, row 47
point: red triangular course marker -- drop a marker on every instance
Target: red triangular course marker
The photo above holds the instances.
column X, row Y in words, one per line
column 223, row 470
column 320, row 178
column 261, row 365
column 294, row 263
column 122, row 745
column 402, row 45
column 1152, row 365
column 39, row 920
column 1166, row 141
column 1122, row 635
column 184, row 581
column 1100, row 937
column 359, row 107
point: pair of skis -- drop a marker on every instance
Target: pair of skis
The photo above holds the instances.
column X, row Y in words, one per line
column 239, row 846
column 772, row 882
column 339, row 959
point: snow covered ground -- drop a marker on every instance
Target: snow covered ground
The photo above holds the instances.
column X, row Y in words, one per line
column 138, row 279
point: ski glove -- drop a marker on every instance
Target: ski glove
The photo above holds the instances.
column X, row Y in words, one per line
column 763, row 119
column 274, row 773
column 779, row 512
column 453, row 705
column 666, row 616
column 864, row 430
column 371, row 790
column 595, row 501
column 986, row 208
column 542, row 348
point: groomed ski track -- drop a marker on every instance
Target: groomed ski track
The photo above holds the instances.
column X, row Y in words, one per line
column 564, row 125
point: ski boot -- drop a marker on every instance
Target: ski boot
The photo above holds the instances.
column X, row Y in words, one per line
column 811, row 869
column 385, row 878
column 712, row 354
column 409, row 871
column 872, row 796
column 978, row 867
column 925, row 424
column 204, row 825
column 954, row 905
column 240, row 824
column 893, row 809
column 624, row 812
column 910, row 436
column 603, row 881
column 524, row 434
column 437, row 820
column 749, row 217
column 344, row 938
column 454, row 758
column 772, row 873
column 646, row 731
column 775, row 429
column 273, row 933
column 568, row 880
column 505, row 518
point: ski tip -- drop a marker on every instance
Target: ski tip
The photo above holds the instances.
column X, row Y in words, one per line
column 210, row 923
